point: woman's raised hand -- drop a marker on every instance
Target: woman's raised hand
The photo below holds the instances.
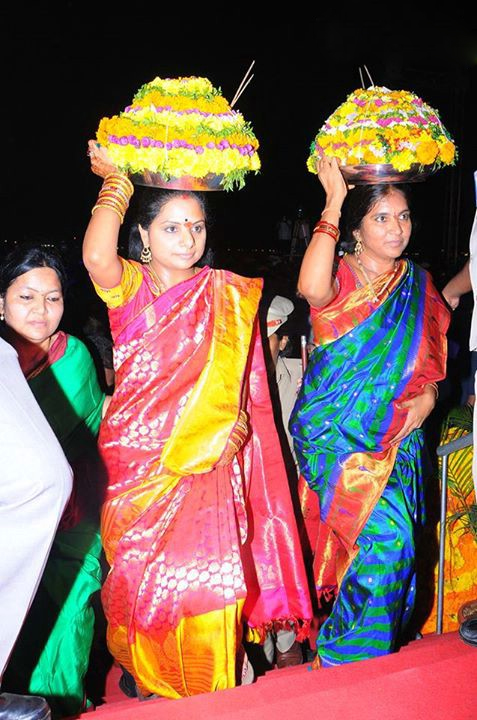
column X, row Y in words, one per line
column 334, row 184
column 101, row 163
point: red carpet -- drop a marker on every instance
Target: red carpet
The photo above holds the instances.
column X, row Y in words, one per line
column 431, row 679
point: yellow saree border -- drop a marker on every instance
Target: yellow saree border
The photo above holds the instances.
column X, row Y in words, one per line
column 204, row 647
column 207, row 420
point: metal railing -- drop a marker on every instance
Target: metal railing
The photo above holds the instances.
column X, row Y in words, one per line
column 444, row 451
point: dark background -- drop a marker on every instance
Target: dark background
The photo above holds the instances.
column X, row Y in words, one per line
column 67, row 64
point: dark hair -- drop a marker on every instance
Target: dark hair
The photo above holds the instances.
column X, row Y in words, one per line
column 28, row 257
column 359, row 202
column 149, row 204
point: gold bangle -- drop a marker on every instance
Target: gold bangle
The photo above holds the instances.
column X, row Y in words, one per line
column 113, row 197
column 121, row 180
column 115, row 194
column 103, row 206
column 325, row 224
column 114, row 187
column 328, row 229
column 113, row 200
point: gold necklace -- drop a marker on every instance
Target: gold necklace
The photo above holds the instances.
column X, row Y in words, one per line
column 375, row 296
column 159, row 286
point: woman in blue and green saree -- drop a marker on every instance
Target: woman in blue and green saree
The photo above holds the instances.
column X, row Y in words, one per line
column 379, row 329
column 52, row 652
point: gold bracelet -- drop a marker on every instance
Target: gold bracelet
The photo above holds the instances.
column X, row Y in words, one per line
column 104, row 206
column 123, row 189
column 119, row 189
column 120, row 180
column 328, row 229
column 114, row 199
column 115, row 194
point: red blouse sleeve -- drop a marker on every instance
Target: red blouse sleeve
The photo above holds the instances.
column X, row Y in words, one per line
column 345, row 281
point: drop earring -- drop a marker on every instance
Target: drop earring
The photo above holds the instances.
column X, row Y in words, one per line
column 358, row 248
column 146, row 255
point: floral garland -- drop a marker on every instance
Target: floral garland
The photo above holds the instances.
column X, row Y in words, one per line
column 381, row 126
column 181, row 127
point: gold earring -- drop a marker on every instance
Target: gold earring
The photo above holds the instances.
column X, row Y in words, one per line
column 358, row 248
column 146, row 255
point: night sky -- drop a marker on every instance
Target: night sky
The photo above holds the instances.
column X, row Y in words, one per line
column 66, row 65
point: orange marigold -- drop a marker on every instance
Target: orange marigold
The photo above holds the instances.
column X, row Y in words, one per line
column 426, row 152
column 447, row 152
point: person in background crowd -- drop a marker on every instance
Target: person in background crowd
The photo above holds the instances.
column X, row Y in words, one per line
column 288, row 370
column 460, row 284
column 282, row 645
column 300, row 235
column 284, row 233
column 96, row 332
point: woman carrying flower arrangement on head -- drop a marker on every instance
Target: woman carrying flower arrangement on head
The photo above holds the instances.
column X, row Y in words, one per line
column 198, row 524
column 379, row 327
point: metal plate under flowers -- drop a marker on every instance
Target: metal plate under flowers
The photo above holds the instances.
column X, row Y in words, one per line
column 209, row 183
column 374, row 174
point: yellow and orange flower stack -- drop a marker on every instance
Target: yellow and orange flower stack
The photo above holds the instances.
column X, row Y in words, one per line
column 380, row 126
column 181, row 127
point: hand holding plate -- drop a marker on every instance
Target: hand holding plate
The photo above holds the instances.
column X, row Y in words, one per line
column 101, row 163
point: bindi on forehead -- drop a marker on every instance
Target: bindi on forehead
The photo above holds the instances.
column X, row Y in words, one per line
column 186, row 222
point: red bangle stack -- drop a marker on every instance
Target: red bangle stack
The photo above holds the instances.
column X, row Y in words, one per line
column 327, row 229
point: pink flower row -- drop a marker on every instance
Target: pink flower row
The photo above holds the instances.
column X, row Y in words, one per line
column 146, row 142
column 385, row 121
column 379, row 103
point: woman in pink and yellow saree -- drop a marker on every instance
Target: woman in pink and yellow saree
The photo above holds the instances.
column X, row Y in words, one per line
column 198, row 525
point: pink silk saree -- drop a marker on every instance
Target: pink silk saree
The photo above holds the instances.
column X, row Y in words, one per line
column 198, row 525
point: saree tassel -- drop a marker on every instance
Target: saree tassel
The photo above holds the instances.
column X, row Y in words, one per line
column 258, row 634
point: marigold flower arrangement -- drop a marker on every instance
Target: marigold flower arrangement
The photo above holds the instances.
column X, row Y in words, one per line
column 381, row 126
column 181, row 127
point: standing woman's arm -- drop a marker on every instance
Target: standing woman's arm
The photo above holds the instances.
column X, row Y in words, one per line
column 457, row 286
column 100, row 245
column 316, row 282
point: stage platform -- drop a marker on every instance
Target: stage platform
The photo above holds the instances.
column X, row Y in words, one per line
column 430, row 679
